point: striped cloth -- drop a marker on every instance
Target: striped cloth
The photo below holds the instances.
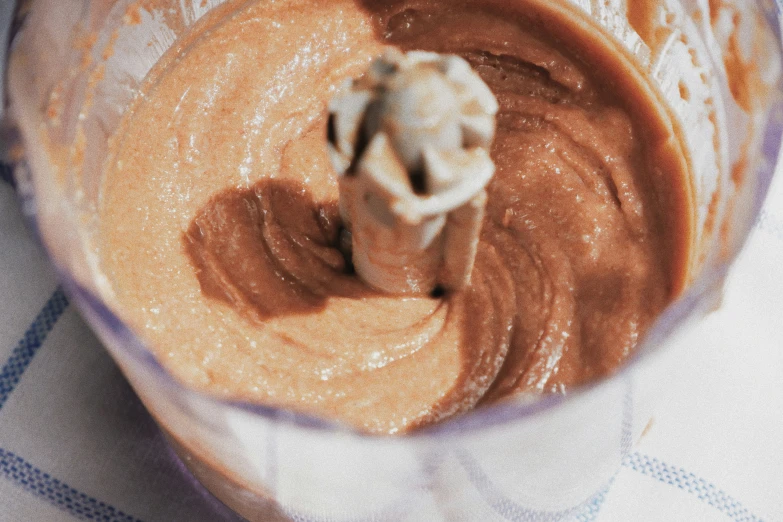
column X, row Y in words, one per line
column 75, row 443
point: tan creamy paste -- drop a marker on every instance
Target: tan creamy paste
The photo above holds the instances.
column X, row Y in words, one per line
column 220, row 222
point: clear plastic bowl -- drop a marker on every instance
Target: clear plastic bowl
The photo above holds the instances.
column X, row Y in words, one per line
column 552, row 459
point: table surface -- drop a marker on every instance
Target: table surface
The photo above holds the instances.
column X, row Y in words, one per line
column 76, row 443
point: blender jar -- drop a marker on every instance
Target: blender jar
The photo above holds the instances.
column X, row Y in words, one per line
column 76, row 66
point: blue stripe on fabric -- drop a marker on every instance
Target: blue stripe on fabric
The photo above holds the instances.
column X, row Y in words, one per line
column 58, row 493
column 593, row 508
column 690, row 483
column 33, row 338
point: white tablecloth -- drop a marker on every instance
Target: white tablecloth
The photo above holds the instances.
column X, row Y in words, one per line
column 76, row 443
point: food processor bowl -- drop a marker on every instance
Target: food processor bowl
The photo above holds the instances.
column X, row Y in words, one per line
column 76, row 66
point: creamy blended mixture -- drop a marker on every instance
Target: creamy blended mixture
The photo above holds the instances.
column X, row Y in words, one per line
column 220, row 223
